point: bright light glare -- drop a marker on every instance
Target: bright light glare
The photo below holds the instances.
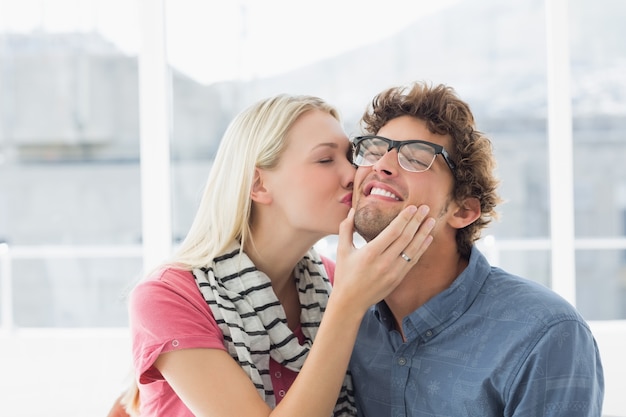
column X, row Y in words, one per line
column 220, row 40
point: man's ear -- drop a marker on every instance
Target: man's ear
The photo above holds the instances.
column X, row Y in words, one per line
column 466, row 213
column 259, row 192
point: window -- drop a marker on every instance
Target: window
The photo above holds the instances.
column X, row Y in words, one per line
column 72, row 223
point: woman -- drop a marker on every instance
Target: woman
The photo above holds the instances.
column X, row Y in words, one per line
column 224, row 328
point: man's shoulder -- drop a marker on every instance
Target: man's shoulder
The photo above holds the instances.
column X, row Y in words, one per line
column 517, row 296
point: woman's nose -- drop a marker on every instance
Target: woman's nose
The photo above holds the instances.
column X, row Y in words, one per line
column 348, row 175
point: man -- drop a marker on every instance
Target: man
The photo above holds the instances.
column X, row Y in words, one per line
column 458, row 337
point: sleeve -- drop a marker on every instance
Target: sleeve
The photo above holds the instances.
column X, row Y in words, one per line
column 562, row 375
column 329, row 265
column 167, row 315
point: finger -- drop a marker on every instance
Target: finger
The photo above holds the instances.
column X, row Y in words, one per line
column 346, row 233
column 390, row 233
column 420, row 241
column 399, row 233
column 415, row 239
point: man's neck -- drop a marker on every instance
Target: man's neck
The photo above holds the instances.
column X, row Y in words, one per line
column 432, row 274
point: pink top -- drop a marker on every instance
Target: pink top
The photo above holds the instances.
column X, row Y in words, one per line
column 168, row 312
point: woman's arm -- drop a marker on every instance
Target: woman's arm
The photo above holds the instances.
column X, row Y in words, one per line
column 212, row 384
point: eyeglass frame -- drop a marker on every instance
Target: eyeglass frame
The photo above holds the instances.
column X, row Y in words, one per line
column 397, row 144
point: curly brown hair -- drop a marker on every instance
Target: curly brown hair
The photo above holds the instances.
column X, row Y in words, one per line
column 446, row 114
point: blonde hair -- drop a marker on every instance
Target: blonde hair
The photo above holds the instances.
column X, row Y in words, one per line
column 256, row 138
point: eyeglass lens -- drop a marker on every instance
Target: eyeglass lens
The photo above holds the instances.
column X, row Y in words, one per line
column 415, row 157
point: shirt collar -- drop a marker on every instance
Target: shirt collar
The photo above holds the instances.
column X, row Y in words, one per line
column 444, row 308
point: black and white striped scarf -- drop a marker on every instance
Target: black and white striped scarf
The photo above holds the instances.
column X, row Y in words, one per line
column 254, row 323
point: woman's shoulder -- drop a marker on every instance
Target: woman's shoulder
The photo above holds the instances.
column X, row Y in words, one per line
column 168, row 282
column 170, row 274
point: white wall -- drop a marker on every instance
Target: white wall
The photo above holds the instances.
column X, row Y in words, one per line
column 611, row 338
column 59, row 373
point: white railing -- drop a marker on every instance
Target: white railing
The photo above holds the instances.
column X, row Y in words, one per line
column 10, row 253
column 490, row 246
column 609, row 333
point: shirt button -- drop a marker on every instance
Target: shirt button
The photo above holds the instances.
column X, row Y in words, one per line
column 278, row 374
column 402, row 361
column 281, row 393
column 429, row 333
column 175, row 343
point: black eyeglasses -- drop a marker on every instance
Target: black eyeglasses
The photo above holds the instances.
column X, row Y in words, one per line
column 413, row 155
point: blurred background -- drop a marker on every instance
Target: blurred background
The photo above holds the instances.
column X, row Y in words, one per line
column 111, row 112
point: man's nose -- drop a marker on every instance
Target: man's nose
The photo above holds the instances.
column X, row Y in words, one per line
column 388, row 163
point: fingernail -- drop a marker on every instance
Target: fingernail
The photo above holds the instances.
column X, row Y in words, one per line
column 411, row 209
column 424, row 210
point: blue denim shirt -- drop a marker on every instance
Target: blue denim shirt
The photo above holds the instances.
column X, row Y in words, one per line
column 492, row 344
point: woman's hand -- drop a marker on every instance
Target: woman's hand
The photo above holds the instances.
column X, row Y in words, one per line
column 368, row 274
column 211, row 383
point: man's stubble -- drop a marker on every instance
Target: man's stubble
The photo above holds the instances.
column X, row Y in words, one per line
column 369, row 222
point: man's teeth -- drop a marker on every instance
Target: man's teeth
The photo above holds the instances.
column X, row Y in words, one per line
column 384, row 193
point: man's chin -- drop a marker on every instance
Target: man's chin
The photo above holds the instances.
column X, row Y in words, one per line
column 369, row 223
